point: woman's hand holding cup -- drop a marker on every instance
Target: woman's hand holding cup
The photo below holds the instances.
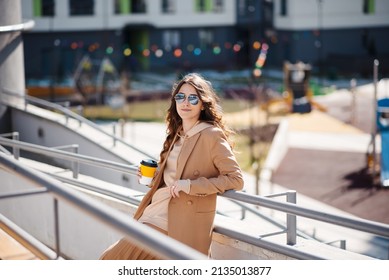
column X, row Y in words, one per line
column 146, row 171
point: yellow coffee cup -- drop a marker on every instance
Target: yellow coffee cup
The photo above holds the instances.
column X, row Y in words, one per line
column 147, row 170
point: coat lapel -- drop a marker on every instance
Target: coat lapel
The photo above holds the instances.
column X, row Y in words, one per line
column 186, row 150
column 188, row 146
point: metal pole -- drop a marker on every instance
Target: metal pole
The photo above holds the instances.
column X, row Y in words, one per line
column 75, row 164
column 114, row 134
column 16, row 151
column 374, row 130
column 56, row 229
column 320, row 39
column 291, row 220
column 353, row 84
column 122, row 123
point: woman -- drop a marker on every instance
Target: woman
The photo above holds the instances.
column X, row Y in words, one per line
column 196, row 164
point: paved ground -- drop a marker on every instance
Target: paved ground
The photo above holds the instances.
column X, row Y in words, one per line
column 339, row 179
column 335, row 172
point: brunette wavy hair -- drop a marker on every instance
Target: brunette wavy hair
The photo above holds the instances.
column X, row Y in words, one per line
column 212, row 112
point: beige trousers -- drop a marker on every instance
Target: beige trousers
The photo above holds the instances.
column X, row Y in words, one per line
column 126, row 250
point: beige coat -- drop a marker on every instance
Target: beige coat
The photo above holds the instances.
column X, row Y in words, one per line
column 208, row 161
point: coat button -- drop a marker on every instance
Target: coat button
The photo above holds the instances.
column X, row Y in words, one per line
column 189, row 202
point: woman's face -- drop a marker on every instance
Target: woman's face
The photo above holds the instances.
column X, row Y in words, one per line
column 188, row 103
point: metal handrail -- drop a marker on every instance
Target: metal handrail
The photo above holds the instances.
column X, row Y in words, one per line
column 290, row 251
column 268, row 219
column 69, row 113
column 282, row 249
column 136, row 232
column 28, row 241
column 135, row 200
column 355, row 223
column 28, row 25
column 132, row 169
column 84, row 159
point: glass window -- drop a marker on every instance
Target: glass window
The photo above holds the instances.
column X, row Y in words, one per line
column 368, row 6
column 284, row 8
column 123, row 7
column 241, row 7
column 206, row 38
column 218, row 6
column 171, row 39
column 246, row 7
column 168, row 6
column 138, row 6
column 43, row 8
column 81, row 7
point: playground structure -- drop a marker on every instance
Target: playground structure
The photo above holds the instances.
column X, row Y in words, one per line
column 95, row 81
column 297, row 92
column 297, row 95
column 383, row 130
column 98, row 80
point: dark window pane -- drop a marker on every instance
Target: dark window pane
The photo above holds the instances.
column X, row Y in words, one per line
column 138, row 6
column 48, row 7
column 81, row 7
column 284, row 10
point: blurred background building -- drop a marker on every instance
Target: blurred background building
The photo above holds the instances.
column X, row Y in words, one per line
column 335, row 36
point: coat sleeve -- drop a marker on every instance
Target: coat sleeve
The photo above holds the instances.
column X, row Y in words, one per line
column 228, row 174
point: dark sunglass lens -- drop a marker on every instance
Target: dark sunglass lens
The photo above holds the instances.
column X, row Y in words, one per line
column 193, row 99
column 179, row 97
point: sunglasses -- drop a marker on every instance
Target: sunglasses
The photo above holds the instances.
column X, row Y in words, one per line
column 193, row 99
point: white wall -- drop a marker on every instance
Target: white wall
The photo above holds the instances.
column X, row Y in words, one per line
column 304, row 14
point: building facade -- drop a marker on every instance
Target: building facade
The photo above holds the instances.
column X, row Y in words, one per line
column 139, row 34
column 338, row 36
column 335, row 36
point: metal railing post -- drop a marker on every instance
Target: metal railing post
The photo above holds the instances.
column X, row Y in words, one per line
column 16, row 151
column 343, row 244
column 114, row 134
column 14, row 136
column 80, row 110
column 56, row 229
column 291, row 220
column 66, row 105
column 75, row 163
column 122, row 124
